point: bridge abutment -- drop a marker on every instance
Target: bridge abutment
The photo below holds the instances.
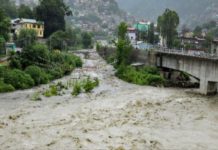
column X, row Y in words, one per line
column 207, row 87
column 203, row 68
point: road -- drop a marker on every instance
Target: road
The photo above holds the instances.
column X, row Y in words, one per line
column 116, row 115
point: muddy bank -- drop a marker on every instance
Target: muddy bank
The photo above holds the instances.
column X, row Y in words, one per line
column 115, row 115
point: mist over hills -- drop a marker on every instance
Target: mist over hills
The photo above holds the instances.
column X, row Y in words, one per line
column 191, row 12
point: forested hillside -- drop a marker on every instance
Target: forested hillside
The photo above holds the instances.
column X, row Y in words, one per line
column 98, row 16
column 192, row 12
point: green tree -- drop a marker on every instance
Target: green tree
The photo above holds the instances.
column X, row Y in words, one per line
column 208, row 41
column 71, row 36
column 122, row 30
column 86, row 40
column 124, row 47
column 197, row 31
column 37, row 54
column 25, row 12
column 9, row 8
column 2, row 45
column 26, row 37
column 56, row 40
column 151, row 36
column 4, row 25
column 52, row 12
column 63, row 39
column 167, row 25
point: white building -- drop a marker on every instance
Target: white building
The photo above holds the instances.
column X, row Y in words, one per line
column 132, row 35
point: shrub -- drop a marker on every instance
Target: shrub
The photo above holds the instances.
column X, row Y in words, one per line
column 3, row 70
column 18, row 79
column 36, row 97
column 96, row 82
column 37, row 54
column 5, row 87
column 38, row 75
column 144, row 76
column 29, row 35
column 56, row 40
column 66, row 68
column 77, row 89
column 55, row 73
column 15, row 63
column 150, row 70
column 52, row 91
column 57, row 56
column 89, row 85
column 155, row 80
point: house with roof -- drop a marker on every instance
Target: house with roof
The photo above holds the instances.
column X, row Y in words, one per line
column 137, row 31
column 21, row 23
column 142, row 26
column 131, row 32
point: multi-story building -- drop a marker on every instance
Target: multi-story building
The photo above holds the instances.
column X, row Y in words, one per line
column 21, row 23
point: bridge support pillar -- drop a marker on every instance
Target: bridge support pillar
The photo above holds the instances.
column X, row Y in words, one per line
column 207, row 87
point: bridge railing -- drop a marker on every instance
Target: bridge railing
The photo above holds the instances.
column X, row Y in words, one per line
column 187, row 53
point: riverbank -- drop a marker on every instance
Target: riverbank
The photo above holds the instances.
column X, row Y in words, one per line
column 115, row 115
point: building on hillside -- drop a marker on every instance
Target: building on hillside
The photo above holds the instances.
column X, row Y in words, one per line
column 20, row 23
column 214, row 47
column 132, row 35
column 142, row 29
column 192, row 42
column 142, row 26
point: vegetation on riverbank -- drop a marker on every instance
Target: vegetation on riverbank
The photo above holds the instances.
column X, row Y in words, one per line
column 86, row 85
column 142, row 76
column 36, row 65
column 123, row 56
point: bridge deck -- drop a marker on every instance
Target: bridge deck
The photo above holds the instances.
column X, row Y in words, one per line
column 187, row 54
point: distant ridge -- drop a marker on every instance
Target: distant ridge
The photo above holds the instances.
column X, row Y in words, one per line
column 191, row 12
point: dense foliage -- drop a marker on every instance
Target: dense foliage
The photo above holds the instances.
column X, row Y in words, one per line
column 4, row 25
column 18, row 79
column 26, row 37
column 38, row 75
column 167, row 26
column 25, row 12
column 52, row 12
column 124, row 55
column 144, row 76
column 70, row 39
column 5, row 87
column 36, row 65
column 86, row 85
column 9, row 8
column 123, row 45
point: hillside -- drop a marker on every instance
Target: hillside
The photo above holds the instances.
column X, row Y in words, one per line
column 191, row 12
column 98, row 16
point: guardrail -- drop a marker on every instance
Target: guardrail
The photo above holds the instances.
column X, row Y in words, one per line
column 196, row 54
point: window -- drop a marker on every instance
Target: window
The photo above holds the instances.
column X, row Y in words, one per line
column 34, row 26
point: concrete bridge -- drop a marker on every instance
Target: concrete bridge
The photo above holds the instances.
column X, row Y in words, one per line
column 202, row 66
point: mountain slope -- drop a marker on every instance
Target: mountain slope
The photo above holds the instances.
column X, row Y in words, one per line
column 191, row 12
column 96, row 15
column 99, row 16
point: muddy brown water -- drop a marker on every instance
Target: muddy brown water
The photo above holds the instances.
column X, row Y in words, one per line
column 116, row 115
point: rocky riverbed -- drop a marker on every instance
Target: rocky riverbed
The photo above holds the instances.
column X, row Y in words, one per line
column 116, row 115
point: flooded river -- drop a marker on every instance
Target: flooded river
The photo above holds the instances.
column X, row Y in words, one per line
column 116, row 115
